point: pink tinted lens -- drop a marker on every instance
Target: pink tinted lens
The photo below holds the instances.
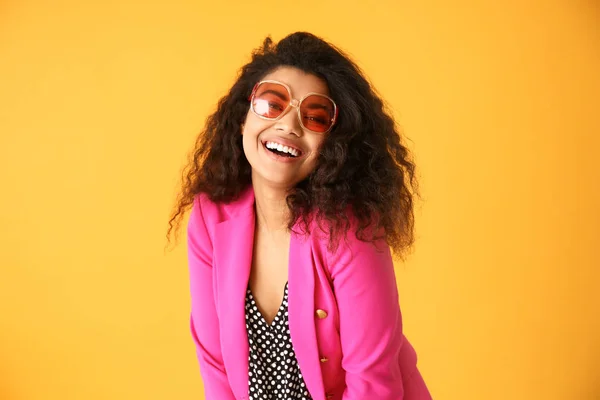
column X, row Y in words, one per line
column 317, row 113
column 270, row 100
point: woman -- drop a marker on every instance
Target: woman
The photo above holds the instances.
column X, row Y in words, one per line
column 299, row 185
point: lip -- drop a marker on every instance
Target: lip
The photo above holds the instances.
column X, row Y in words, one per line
column 287, row 143
column 279, row 158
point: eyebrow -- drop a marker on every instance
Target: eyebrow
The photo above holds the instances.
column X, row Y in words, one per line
column 317, row 106
column 276, row 93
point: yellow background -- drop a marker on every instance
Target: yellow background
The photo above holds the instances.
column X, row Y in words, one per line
column 101, row 101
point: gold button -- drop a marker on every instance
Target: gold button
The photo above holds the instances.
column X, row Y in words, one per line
column 324, row 359
column 321, row 314
column 328, row 395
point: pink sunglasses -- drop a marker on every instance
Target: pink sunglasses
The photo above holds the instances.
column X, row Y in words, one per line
column 271, row 99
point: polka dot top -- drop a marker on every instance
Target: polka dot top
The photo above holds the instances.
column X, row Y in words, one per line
column 273, row 371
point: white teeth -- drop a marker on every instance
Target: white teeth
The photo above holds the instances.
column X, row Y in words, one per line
column 280, row 147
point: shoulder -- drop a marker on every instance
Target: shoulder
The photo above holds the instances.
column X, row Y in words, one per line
column 356, row 268
column 350, row 249
column 214, row 212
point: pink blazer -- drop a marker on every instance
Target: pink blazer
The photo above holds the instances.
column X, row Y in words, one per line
column 344, row 318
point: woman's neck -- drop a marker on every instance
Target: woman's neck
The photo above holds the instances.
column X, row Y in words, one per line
column 271, row 208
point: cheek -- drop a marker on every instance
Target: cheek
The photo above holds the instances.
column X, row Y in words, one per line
column 253, row 128
column 250, row 142
column 312, row 159
column 248, row 145
column 316, row 146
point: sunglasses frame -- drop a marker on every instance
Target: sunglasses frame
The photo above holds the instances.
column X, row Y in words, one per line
column 293, row 103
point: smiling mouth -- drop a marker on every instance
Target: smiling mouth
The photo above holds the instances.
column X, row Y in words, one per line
column 281, row 153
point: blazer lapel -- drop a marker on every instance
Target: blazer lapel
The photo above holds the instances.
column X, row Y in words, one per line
column 301, row 303
column 233, row 247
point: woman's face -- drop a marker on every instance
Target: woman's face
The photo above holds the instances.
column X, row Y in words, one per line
column 271, row 168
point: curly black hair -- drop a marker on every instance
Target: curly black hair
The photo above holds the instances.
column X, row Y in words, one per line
column 362, row 167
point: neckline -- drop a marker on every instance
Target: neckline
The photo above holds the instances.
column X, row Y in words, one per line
column 280, row 309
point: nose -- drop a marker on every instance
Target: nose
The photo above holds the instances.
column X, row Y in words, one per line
column 289, row 122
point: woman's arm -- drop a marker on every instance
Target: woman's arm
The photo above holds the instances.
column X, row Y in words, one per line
column 204, row 323
column 379, row 362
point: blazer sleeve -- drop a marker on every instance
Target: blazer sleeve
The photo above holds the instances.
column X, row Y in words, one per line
column 379, row 362
column 204, row 322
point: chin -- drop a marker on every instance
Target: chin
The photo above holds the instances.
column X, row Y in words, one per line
column 273, row 179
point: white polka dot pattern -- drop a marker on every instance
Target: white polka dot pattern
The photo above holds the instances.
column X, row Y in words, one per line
column 273, row 369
